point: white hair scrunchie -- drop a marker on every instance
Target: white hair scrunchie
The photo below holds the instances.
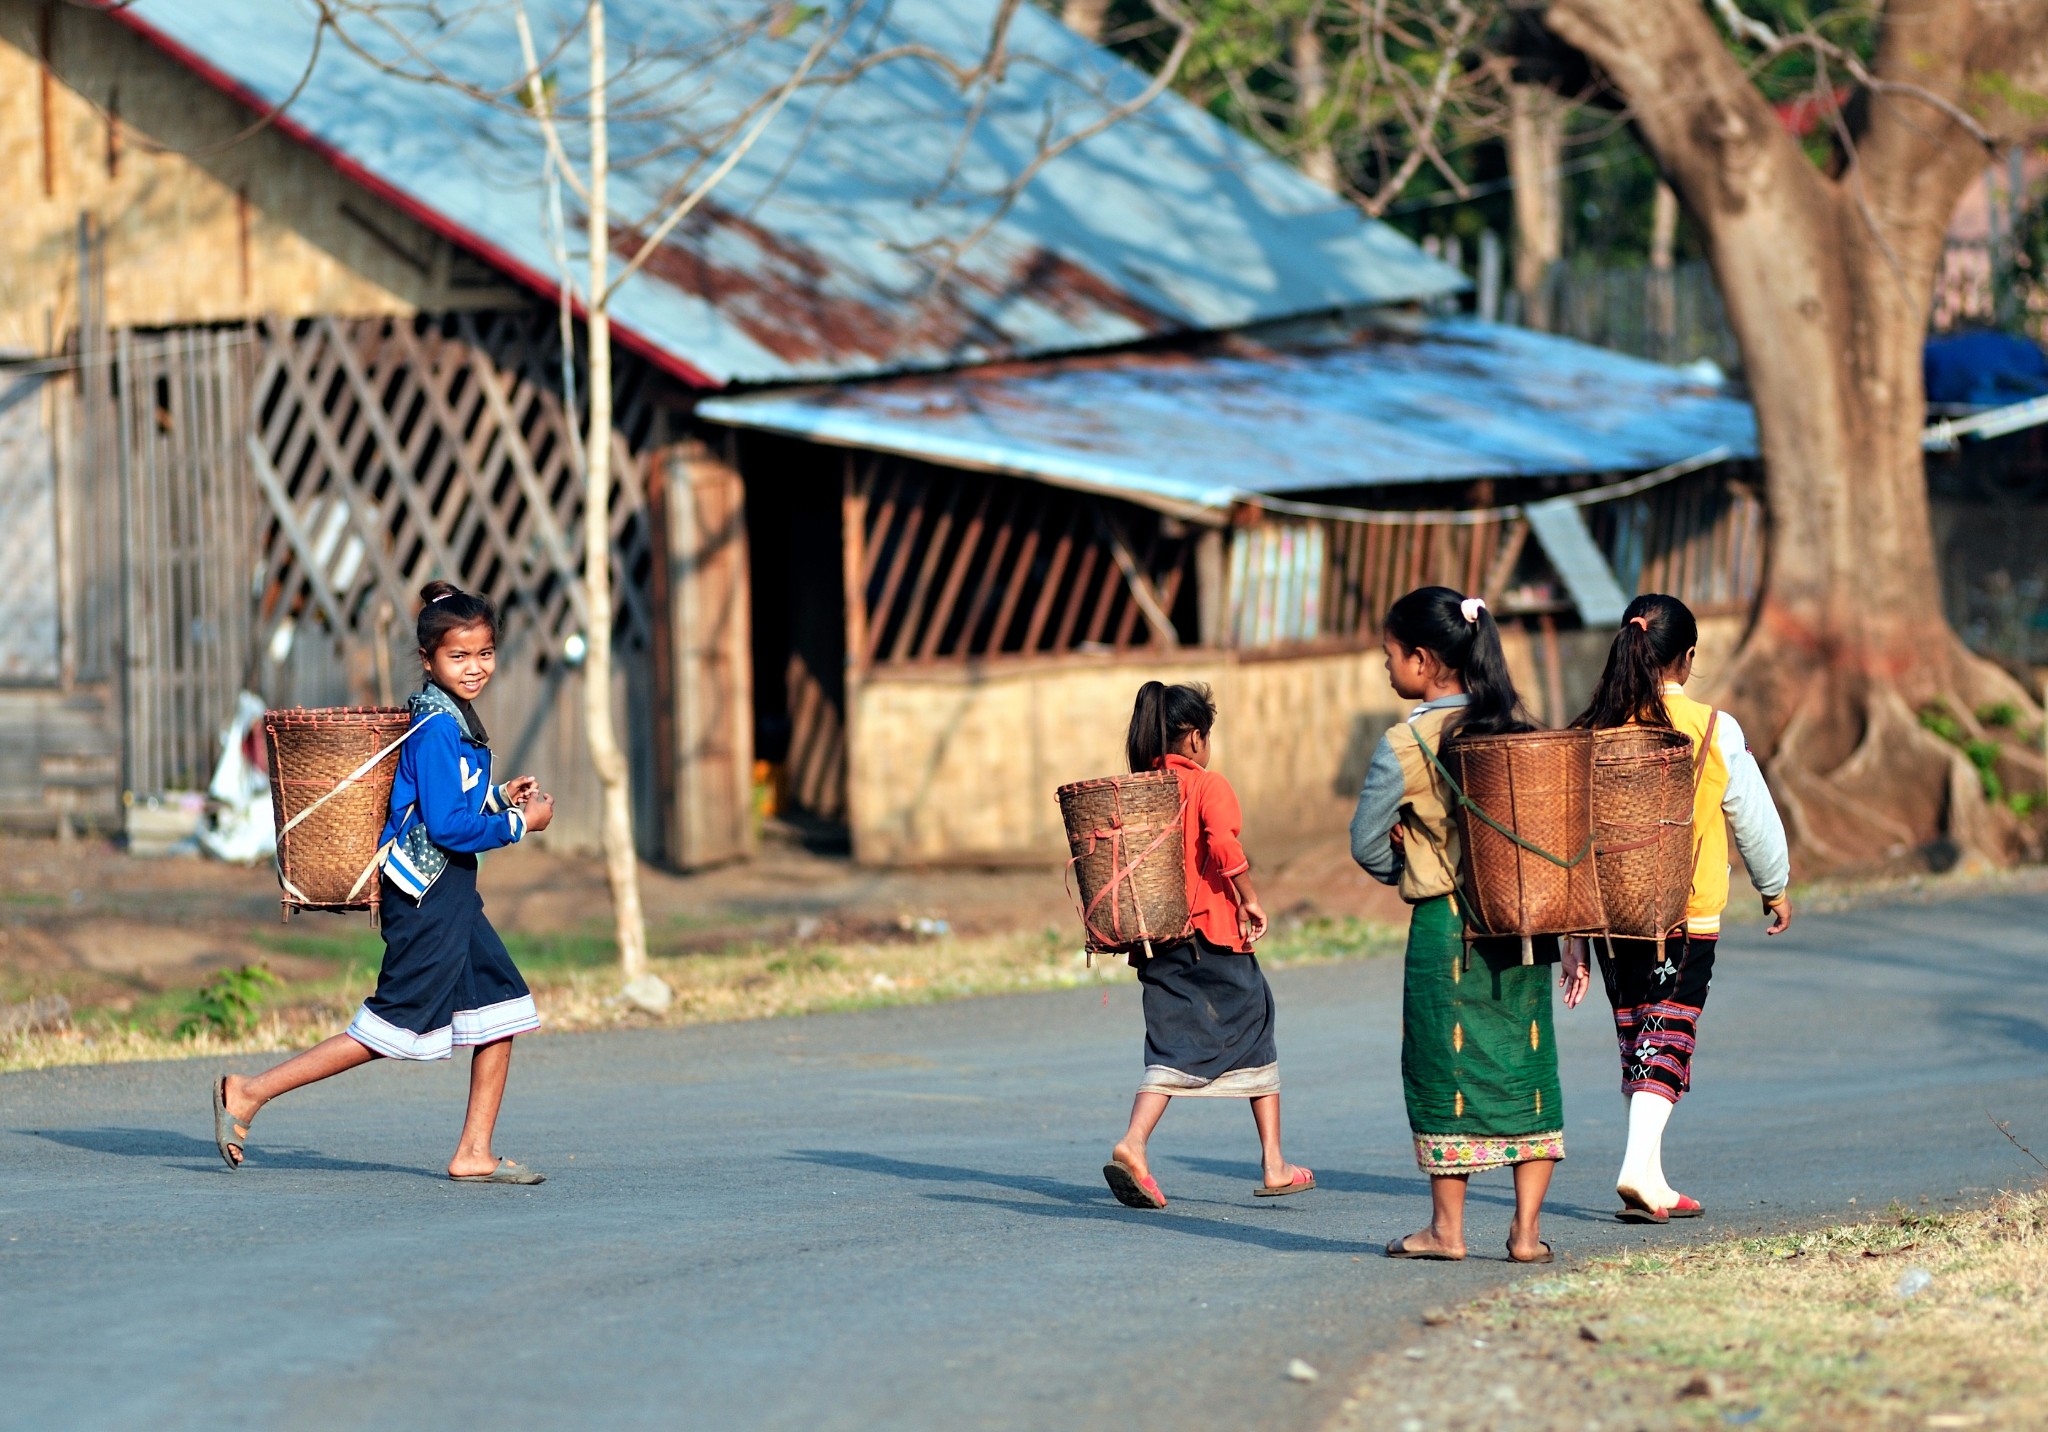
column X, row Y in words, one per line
column 1471, row 607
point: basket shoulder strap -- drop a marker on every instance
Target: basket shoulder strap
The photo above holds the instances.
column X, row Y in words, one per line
column 1699, row 772
column 1466, row 802
column 358, row 773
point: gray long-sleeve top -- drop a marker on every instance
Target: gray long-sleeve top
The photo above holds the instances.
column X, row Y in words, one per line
column 1380, row 801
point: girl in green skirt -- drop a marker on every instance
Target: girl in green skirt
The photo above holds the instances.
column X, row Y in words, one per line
column 1478, row 1062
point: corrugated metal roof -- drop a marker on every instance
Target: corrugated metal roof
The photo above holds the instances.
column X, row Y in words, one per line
column 812, row 259
column 1429, row 402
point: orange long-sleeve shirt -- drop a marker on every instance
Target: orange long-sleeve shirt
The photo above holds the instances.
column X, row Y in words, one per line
column 1214, row 853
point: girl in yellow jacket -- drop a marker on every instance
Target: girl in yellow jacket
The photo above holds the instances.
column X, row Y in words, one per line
column 1657, row 1002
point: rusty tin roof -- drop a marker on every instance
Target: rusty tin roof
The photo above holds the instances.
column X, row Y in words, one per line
column 1198, row 429
column 814, row 258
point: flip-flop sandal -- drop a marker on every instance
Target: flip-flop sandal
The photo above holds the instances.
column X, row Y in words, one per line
column 1686, row 1207
column 1546, row 1256
column 1130, row 1190
column 225, row 1125
column 506, row 1172
column 1399, row 1249
column 1636, row 1209
column 1304, row 1179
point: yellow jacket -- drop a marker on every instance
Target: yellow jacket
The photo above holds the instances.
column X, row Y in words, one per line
column 1731, row 792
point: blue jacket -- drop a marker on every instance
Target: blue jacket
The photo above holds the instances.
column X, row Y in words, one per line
column 443, row 799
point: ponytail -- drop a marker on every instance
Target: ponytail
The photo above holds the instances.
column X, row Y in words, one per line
column 1656, row 631
column 1434, row 619
column 1161, row 716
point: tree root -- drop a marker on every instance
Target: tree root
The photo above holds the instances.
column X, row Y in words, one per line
column 1861, row 782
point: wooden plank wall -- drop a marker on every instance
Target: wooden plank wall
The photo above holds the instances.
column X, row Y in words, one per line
column 204, row 220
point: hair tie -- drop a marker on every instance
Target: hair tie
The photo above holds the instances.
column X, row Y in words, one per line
column 441, row 598
column 1643, row 622
column 1471, row 607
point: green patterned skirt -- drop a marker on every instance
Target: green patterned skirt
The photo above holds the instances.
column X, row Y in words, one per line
column 1478, row 1060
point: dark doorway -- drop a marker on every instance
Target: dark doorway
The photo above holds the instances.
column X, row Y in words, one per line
column 793, row 504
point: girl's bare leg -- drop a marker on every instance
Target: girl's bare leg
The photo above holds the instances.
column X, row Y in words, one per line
column 323, row 1061
column 1266, row 1114
column 1446, row 1231
column 1532, row 1182
column 488, row 1067
column 1130, row 1149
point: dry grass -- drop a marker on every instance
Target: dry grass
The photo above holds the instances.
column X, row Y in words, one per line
column 576, row 986
column 1818, row 1330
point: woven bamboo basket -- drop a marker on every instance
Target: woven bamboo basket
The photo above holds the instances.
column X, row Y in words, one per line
column 1129, row 859
column 318, row 758
column 1538, row 785
column 1642, row 829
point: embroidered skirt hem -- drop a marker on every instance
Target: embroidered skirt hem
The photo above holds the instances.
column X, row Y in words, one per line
column 1459, row 1153
column 1253, row 1083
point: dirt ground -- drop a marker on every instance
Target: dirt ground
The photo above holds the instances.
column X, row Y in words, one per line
column 108, row 931
column 1913, row 1319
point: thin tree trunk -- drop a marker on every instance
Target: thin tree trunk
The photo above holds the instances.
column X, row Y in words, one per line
column 1085, row 17
column 622, row 866
column 1663, row 297
column 1311, row 93
column 1535, row 166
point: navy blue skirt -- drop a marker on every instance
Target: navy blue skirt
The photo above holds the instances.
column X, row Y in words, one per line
column 1208, row 1022
column 447, row 977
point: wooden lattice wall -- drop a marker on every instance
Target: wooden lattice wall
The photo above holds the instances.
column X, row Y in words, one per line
column 392, row 451
column 286, row 490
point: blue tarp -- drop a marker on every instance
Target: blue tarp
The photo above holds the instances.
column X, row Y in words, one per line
column 816, row 257
column 1432, row 401
column 1983, row 369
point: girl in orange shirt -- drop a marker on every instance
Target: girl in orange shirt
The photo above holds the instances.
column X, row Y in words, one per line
column 1208, row 1009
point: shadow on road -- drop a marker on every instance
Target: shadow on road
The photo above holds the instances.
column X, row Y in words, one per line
column 1101, row 1210
column 1337, row 1180
column 946, row 1173
column 199, row 1155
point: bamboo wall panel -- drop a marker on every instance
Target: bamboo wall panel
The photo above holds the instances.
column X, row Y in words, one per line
column 965, row 566
column 199, row 229
column 955, row 765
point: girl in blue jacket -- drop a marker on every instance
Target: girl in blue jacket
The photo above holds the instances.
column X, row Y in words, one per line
column 447, row 978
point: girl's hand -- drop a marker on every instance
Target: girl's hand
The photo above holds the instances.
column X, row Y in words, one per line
column 1398, row 835
column 1251, row 920
column 539, row 811
column 1575, row 971
column 519, row 788
column 1780, row 911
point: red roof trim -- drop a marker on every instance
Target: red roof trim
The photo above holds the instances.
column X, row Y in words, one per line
column 355, row 172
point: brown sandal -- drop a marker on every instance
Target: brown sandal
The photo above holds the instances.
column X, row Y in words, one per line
column 1399, row 1249
column 228, row 1131
column 1546, row 1256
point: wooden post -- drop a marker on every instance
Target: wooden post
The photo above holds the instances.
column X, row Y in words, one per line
column 46, row 95
column 1212, row 599
column 853, row 518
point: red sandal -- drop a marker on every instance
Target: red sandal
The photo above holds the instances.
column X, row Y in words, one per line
column 1304, row 1179
column 1130, row 1190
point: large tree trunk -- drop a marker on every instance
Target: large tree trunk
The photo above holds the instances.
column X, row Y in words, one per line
column 1827, row 283
column 1536, row 166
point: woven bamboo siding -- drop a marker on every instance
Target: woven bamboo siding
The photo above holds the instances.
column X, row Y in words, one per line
column 960, row 767
column 235, row 230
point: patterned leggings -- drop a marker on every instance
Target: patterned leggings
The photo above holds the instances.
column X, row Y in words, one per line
column 1657, row 1009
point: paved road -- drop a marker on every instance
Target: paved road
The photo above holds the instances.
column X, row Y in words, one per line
column 894, row 1219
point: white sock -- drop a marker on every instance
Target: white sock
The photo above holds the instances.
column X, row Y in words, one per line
column 1642, row 1167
